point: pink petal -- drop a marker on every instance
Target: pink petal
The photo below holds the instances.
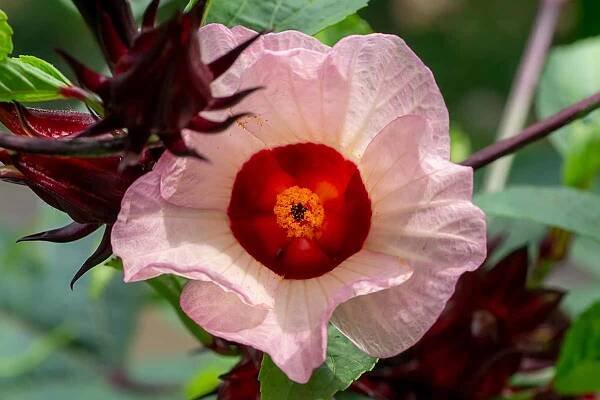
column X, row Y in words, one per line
column 289, row 111
column 441, row 234
column 399, row 169
column 387, row 323
column 217, row 40
column 189, row 182
column 375, row 79
column 342, row 98
column 422, row 214
column 154, row 237
column 396, row 149
column 293, row 331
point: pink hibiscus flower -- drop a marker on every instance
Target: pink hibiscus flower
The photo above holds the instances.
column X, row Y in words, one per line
column 335, row 201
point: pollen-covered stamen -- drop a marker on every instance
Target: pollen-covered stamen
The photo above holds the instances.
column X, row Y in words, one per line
column 299, row 211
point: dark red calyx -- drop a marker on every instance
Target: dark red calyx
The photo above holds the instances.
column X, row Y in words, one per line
column 42, row 123
column 159, row 84
column 88, row 189
column 112, row 23
column 491, row 326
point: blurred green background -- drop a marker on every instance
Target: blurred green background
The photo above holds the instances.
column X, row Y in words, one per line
column 106, row 340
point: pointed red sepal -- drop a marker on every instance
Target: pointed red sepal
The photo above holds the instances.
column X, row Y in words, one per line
column 159, row 82
column 536, row 306
column 120, row 15
column 102, row 253
column 176, row 145
column 242, row 381
column 149, row 19
column 112, row 43
column 489, row 380
column 220, row 103
column 70, row 233
column 42, row 123
column 202, row 125
column 223, row 63
column 508, row 275
column 198, row 8
column 75, row 92
column 87, row 78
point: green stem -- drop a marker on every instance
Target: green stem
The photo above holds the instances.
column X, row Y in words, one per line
column 172, row 296
column 206, row 11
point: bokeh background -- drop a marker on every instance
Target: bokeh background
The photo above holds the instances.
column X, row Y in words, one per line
column 107, row 340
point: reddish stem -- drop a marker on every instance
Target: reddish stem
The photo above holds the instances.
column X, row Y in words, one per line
column 534, row 132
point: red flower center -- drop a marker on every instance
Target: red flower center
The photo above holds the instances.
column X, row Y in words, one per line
column 300, row 209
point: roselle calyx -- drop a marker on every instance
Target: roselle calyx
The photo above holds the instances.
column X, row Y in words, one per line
column 492, row 326
column 89, row 190
column 159, row 83
column 82, row 164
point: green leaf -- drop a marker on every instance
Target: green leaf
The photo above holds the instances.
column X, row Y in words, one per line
column 585, row 252
column 30, row 79
column 580, row 296
column 573, row 210
column 6, row 32
column 45, row 67
column 460, row 144
column 308, row 16
column 36, row 354
column 579, row 360
column 571, row 74
column 524, row 395
column 537, row 378
column 351, row 25
column 39, row 315
column 207, row 379
column 192, row 3
column 34, row 289
column 344, row 364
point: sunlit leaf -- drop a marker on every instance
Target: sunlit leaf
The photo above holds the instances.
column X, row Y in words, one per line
column 572, row 74
column 344, row 364
column 460, row 144
column 6, row 32
column 308, row 16
column 30, row 79
column 579, row 361
column 206, row 379
column 351, row 25
column 573, row 210
column 585, row 251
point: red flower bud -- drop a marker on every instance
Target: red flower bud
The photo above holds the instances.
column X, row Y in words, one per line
column 242, row 381
column 488, row 328
column 89, row 190
column 159, row 84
